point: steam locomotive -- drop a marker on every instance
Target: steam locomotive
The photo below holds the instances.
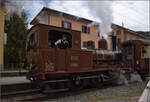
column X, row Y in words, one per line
column 72, row 68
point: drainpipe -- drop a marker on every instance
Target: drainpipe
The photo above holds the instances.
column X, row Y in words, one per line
column 2, row 19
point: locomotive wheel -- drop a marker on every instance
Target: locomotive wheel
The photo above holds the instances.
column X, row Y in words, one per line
column 75, row 84
column 40, row 85
column 97, row 82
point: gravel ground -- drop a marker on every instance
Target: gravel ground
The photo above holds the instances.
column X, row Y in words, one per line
column 123, row 93
column 124, row 99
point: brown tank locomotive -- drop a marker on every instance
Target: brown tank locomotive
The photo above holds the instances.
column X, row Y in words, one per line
column 72, row 67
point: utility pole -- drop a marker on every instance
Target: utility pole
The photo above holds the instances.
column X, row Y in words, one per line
column 2, row 19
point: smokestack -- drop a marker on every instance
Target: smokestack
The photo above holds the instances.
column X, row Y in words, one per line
column 113, row 39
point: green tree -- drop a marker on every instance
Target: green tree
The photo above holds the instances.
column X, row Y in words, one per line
column 16, row 38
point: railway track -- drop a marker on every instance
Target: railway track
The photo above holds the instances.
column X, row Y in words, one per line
column 20, row 93
column 36, row 95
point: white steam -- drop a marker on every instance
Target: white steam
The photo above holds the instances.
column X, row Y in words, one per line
column 93, row 24
column 134, row 77
column 103, row 11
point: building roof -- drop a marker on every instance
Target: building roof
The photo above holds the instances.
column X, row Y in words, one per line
column 145, row 33
column 135, row 42
column 63, row 14
column 114, row 26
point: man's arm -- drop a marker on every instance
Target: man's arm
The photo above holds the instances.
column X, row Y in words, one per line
column 58, row 41
column 66, row 42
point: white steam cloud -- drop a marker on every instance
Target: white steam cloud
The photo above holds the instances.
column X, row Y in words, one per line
column 103, row 11
column 93, row 24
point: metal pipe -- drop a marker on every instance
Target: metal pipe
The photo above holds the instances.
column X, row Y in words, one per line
column 2, row 19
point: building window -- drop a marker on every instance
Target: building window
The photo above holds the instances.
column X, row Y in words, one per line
column 86, row 29
column 118, row 32
column 88, row 44
column 84, row 44
column 47, row 19
column 66, row 24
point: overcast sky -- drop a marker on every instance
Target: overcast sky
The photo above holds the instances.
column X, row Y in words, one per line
column 133, row 14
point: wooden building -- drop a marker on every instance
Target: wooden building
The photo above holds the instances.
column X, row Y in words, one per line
column 89, row 29
column 121, row 34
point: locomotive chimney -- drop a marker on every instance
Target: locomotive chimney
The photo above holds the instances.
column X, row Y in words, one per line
column 113, row 39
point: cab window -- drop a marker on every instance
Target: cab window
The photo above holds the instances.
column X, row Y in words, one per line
column 54, row 35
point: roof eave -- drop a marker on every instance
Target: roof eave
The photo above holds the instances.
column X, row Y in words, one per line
column 128, row 30
column 48, row 9
column 32, row 22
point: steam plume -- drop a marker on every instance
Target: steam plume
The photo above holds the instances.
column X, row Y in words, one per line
column 103, row 11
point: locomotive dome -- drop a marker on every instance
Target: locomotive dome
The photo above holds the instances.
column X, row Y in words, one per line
column 102, row 44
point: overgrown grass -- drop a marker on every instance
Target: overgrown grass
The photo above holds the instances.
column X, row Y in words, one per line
column 137, row 92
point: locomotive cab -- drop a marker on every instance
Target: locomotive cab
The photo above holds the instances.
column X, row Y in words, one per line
column 46, row 56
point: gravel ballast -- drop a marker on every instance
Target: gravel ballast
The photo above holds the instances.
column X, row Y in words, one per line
column 122, row 93
column 108, row 93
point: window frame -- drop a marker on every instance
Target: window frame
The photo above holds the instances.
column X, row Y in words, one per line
column 85, row 29
column 118, row 32
column 69, row 24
